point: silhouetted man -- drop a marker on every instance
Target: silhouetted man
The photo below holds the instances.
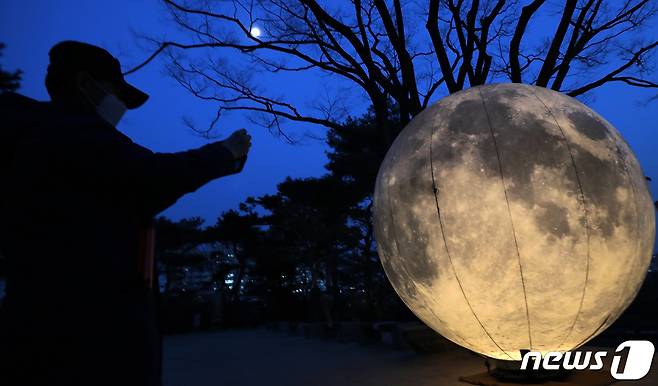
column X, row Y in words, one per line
column 74, row 194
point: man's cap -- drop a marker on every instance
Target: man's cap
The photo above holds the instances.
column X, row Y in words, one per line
column 70, row 57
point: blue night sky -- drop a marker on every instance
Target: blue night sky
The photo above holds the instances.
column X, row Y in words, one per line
column 31, row 27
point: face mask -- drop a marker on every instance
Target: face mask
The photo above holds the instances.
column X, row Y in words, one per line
column 111, row 109
column 107, row 105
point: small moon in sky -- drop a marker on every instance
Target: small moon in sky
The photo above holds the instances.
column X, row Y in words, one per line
column 255, row 32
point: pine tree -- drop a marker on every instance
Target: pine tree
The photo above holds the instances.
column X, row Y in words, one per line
column 9, row 81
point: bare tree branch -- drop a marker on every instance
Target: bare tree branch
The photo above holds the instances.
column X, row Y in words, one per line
column 613, row 75
column 554, row 51
column 515, row 44
column 377, row 45
column 433, row 29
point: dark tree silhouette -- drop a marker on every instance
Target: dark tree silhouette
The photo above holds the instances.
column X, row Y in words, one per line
column 238, row 235
column 9, row 81
column 311, row 216
column 175, row 246
column 355, row 158
column 304, row 253
column 404, row 53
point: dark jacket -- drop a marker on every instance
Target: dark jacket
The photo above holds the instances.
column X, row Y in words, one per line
column 74, row 193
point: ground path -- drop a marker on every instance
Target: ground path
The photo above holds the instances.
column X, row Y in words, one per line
column 269, row 358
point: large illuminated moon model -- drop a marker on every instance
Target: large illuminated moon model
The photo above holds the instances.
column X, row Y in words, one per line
column 512, row 217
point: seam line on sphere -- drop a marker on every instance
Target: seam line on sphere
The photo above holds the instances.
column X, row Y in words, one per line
column 585, row 213
column 636, row 247
column 445, row 244
column 404, row 266
column 509, row 211
column 637, row 227
column 590, row 336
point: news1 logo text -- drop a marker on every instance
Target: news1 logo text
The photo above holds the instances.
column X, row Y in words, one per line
column 638, row 355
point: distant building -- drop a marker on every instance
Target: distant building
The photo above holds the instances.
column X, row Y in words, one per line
column 191, row 273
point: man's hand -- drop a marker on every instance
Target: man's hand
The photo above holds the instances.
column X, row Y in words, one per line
column 238, row 143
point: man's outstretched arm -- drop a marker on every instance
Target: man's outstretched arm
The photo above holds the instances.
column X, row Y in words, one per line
column 169, row 176
column 157, row 180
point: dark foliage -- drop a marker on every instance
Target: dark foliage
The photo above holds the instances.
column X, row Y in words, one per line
column 9, row 81
column 305, row 253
